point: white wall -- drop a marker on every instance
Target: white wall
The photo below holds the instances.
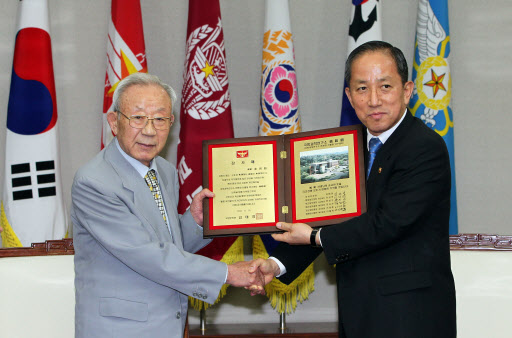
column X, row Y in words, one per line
column 480, row 66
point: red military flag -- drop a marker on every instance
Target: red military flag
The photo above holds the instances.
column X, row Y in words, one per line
column 205, row 114
column 126, row 53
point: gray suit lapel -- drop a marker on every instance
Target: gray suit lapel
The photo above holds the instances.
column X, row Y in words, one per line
column 142, row 197
column 166, row 188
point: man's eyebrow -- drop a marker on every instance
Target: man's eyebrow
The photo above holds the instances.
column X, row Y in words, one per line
column 159, row 110
column 360, row 81
column 384, row 78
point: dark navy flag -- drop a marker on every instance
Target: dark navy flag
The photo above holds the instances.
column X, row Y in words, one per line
column 365, row 25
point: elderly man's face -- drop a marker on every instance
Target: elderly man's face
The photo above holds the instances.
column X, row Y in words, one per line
column 376, row 91
column 141, row 144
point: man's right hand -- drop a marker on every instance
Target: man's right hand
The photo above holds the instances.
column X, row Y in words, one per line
column 268, row 269
column 243, row 274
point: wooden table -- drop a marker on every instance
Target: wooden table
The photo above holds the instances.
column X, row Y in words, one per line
column 261, row 330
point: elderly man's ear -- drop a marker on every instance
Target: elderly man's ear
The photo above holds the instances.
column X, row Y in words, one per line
column 112, row 121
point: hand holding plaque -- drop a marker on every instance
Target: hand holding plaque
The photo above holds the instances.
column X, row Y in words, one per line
column 312, row 177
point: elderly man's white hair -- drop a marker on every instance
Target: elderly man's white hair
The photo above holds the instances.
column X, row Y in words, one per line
column 140, row 79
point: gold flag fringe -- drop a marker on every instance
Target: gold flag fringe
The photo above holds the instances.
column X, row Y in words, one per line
column 284, row 297
column 235, row 253
column 9, row 238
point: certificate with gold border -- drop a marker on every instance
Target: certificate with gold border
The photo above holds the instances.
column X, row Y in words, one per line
column 312, row 177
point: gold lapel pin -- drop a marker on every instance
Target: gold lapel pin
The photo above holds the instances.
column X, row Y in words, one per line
column 380, row 170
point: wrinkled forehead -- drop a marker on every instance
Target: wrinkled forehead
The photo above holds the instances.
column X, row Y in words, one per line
column 136, row 95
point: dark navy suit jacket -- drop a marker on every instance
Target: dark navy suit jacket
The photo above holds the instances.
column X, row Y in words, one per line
column 393, row 262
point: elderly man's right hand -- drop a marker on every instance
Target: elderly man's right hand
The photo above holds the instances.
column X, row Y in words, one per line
column 245, row 274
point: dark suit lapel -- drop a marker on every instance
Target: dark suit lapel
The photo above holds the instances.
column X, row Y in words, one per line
column 142, row 197
column 399, row 133
column 386, row 150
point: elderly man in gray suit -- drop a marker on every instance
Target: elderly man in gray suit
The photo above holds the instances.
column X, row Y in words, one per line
column 134, row 261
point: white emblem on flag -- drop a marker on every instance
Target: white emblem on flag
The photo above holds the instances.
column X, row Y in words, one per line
column 205, row 93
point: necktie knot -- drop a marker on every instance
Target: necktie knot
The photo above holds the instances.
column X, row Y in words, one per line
column 374, row 146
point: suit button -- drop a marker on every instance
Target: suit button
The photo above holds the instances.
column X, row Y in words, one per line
column 178, row 315
column 161, row 245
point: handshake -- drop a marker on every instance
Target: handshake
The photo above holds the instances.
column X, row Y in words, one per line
column 252, row 275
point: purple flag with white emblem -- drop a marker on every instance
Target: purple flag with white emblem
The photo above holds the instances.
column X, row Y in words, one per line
column 32, row 208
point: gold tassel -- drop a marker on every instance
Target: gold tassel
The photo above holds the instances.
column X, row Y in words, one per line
column 284, row 297
column 234, row 254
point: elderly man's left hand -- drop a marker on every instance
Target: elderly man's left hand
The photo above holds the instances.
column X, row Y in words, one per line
column 196, row 208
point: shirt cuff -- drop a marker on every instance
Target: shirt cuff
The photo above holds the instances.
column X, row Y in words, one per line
column 320, row 237
column 281, row 266
column 226, row 279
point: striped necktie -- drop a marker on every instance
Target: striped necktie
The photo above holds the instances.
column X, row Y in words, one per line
column 374, row 146
column 152, row 183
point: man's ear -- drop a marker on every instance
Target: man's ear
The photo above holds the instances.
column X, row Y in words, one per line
column 408, row 89
column 112, row 121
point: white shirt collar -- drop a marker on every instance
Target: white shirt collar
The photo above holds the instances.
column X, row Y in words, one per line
column 385, row 135
column 141, row 168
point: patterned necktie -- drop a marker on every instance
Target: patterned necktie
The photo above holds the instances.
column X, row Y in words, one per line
column 375, row 145
column 155, row 190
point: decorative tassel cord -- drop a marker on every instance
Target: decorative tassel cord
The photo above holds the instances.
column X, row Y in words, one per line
column 284, row 297
column 9, row 238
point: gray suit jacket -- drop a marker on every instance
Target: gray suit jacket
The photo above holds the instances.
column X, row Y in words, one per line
column 132, row 278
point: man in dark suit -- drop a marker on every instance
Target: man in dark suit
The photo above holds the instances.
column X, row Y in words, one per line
column 393, row 262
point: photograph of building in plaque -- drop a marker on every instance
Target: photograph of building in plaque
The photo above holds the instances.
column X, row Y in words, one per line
column 324, row 165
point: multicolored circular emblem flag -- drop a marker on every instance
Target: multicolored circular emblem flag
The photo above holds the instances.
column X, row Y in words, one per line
column 279, row 103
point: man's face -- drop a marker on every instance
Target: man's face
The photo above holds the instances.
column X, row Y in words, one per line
column 141, row 144
column 376, row 91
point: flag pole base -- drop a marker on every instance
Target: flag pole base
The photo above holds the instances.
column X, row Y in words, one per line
column 282, row 322
column 202, row 320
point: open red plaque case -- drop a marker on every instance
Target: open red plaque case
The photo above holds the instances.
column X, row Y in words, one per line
column 315, row 177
